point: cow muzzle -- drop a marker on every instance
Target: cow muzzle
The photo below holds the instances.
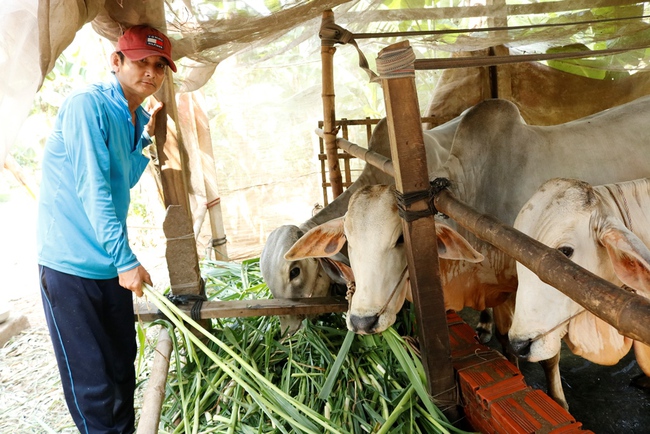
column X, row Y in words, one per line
column 363, row 325
column 521, row 348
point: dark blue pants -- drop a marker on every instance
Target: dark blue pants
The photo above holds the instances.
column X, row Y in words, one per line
column 93, row 333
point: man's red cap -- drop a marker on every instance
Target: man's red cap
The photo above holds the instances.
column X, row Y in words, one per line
column 139, row 42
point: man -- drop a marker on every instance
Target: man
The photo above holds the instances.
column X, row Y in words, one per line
column 88, row 272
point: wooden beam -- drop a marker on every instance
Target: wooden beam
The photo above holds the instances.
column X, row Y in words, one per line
column 247, row 308
column 172, row 159
column 182, row 258
column 411, row 175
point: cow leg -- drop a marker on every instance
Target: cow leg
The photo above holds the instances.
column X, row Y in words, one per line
column 553, row 381
column 485, row 326
column 503, row 315
column 641, row 381
column 642, row 354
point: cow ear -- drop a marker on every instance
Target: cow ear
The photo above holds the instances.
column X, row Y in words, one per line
column 452, row 245
column 629, row 256
column 323, row 241
column 338, row 271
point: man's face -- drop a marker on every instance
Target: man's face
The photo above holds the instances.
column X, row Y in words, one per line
column 140, row 78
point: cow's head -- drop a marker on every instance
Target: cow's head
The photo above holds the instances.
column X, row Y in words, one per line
column 578, row 220
column 373, row 231
column 300, row 278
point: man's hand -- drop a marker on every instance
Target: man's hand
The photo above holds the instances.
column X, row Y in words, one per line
column 153, row 108
column 134, row 279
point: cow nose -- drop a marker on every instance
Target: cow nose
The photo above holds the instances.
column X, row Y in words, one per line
column 521, row 347
column 363, row 324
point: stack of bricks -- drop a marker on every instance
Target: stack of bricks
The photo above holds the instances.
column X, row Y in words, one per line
column 493, row 393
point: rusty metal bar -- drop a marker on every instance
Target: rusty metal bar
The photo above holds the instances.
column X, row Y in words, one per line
column 627, row 312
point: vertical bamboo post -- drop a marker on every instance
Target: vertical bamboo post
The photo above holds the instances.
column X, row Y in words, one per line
column 194, row 123
column 329, row 114
column 154, row 395
column 218, row 240
column 395, row 64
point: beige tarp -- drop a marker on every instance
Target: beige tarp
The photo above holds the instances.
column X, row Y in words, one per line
column 203, row 35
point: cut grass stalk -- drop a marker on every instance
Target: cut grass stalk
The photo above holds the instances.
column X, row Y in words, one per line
column 334, row 372
column 402, row 406
column 363, row 394
column 286, row 402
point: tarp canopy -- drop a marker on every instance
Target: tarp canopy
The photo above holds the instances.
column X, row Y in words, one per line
column 204, row 33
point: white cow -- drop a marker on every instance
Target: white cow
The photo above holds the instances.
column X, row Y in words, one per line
column 605, row 230
column 372, row 229
column 495, row 164
column 315, row 277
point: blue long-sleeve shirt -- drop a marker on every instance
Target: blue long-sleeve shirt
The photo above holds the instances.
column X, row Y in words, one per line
column 91, row 161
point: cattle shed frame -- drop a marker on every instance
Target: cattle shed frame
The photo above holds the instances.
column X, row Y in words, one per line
column 449, row 349
column 408, row 166
column 623, row 310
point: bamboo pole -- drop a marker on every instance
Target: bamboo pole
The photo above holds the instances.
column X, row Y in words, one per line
column 154, row 395
column 196, row 132
column 371, row 157
column 329, row 113
column 627, row 312
column 411, row 175
column 475, row 61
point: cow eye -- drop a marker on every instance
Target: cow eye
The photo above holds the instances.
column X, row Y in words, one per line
column 294, row 272
column 399, row 241
column 566, row 251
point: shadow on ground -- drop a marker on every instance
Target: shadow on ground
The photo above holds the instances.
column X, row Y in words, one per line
column 600, row 397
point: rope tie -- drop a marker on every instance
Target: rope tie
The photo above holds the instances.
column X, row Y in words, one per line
column 182, row 237
column 213, row 202
column 332, row 33
column 396, row 63
column 404, row 200
column 183, row 299
column 216, row 242
column 397, row 286
column 351, row 288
